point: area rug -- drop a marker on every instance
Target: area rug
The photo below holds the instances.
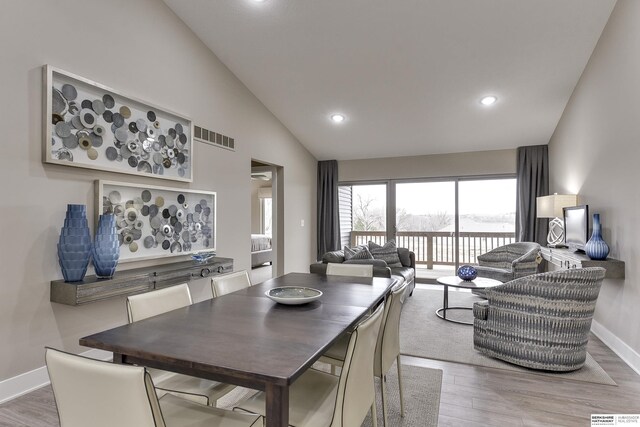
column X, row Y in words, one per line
column 421, row 387
column 423, row 334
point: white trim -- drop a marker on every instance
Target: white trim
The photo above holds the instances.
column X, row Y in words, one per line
column 32, row 380
column 619, row 347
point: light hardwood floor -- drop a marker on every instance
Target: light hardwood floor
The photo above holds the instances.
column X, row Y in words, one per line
column 472, row 396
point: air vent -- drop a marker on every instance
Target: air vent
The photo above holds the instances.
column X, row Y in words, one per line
column 212, row 138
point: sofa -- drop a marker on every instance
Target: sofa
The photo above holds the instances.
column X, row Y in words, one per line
column 380, row 267
column 540, row 321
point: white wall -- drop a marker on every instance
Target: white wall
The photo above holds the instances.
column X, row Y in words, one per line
column 493, row 162
column 139, row 47
column 594, row 152
column 256, row 184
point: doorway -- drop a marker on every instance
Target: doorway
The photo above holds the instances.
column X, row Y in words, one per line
column 266, row 225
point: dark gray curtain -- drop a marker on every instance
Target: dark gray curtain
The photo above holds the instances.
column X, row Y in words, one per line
column 533, row 181
column 328, row 217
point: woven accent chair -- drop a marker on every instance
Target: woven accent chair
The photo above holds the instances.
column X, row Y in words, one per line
column 540, row 321
column 510, row 261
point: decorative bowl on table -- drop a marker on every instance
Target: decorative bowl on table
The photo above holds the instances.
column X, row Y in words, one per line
column 202, row 256
column 293, row 295
column 467, row 273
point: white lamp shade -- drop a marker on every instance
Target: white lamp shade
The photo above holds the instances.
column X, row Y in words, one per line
column 551, row 206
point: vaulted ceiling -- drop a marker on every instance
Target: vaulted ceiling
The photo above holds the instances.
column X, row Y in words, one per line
column 408, row 74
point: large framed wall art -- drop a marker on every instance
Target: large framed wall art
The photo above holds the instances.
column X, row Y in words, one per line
column 89, row 125
column 155, row 222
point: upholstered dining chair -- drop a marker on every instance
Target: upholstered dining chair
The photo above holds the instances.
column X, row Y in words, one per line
column 225, row 284
column 320, row 399
column 359, row 270
column 142, row 306
column 540, row 321
column 387, row 346
column 101, row 394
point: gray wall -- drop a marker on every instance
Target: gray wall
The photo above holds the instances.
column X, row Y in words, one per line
column 431, row 166
column 141, row 48
column 594, row 152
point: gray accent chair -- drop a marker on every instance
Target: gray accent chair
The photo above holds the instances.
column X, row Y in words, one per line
column 510, row 261
column 540, row 321
column 380, row 268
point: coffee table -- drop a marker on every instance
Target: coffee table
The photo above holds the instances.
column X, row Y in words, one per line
column 456, row 282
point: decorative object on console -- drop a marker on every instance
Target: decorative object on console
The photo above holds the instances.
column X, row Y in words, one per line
column 596, row 248
column 203, row 256
column 106, row 247
column 467, row 272
column 91, row 126
column 154, row 222
column 551, row 207
column 74, row 244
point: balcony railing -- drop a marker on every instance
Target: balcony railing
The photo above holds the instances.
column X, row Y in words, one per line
column 438, row 247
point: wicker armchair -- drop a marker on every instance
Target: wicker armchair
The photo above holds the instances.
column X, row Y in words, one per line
column 540, row 321
column 510, row 261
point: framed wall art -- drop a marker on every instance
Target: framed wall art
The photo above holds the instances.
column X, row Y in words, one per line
column 89, row 125
column 155, row 222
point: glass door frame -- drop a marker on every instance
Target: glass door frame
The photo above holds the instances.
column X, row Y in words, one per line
column 391, row 228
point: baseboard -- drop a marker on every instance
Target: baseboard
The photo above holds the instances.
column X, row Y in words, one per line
column 32, row 380
column 619, row 347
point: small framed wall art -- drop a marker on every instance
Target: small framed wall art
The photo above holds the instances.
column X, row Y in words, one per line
column 89, row 125
column 155, row 222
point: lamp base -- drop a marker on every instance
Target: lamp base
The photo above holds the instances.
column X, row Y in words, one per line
column 556, row 233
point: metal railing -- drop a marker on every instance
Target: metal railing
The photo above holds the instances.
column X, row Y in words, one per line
column 438, row 247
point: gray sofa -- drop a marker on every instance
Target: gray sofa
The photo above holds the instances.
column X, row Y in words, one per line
column 380, row 268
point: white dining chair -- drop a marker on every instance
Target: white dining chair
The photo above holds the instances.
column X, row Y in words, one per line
column 359, row 270
column 228, row 283
column 143, row 306
column 387, row 347
column 320, row 399
column 94, row 393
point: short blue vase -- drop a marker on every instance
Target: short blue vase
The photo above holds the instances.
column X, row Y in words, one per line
column 596, row 248
column 467, row 272
column 74, row 244
column 106, row 247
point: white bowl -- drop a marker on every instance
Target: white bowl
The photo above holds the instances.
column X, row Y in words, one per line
column 293, row 295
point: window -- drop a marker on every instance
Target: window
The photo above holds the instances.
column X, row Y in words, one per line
column 266, row 215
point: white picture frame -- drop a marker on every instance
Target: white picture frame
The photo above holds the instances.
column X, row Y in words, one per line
column 147, row 231
column 160, row 148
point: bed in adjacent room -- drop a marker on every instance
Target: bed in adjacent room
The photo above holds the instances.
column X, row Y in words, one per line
column 260, row 250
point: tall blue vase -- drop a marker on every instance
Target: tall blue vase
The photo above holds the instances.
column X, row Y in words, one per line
column 74, row 244
column 596, row 248
column 106, row 247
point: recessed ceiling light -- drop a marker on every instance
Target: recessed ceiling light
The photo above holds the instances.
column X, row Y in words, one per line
column 488, row 100
column 337, row 118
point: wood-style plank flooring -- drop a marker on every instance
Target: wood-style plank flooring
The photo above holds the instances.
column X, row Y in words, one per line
column 471, row 396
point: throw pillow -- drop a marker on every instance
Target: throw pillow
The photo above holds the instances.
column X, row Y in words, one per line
column 387, row 253
column 359, row 252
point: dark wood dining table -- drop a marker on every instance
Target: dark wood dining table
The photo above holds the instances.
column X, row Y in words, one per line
column 246, row 339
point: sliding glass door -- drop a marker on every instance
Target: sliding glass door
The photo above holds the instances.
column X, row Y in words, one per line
column 425, row 223
column 445, row 222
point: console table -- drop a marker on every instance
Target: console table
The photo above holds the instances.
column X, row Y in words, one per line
column 564, row 259
column 136, row 281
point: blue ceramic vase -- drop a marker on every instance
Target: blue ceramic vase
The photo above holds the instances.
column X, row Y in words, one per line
column 467, row 272
column 74, row 244
column 106, row 247
column 596, row 248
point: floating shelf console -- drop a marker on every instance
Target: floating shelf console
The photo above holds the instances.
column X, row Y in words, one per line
column 136, row 281
column 564, row 259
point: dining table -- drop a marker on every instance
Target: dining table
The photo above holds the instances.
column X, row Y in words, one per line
column 245, row 338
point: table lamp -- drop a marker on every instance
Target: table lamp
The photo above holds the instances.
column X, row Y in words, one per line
column 551, row 207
